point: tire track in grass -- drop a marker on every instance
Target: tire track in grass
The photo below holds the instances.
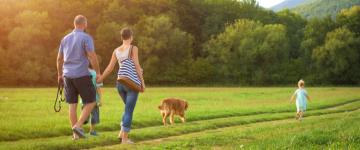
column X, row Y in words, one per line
column 109, row 138
column 203, row 118
column 246, row 139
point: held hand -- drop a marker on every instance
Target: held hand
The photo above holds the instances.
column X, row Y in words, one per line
column 99, row 79
column 100, row 103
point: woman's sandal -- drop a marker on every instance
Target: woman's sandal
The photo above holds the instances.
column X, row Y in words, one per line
column 128, row 142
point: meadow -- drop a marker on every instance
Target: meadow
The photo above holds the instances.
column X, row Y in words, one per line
column 217, row 118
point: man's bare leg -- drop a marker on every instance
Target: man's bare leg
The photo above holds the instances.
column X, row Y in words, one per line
column 73, row 116
column 85, row 114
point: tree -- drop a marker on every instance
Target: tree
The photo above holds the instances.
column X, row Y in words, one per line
column 107, row 39
column 27, row 44
column 249, row 52
column 165, row 50
column 350, row 18
column 314, row 35
column 295, row 25
column 338, row 59
column 3, row 66
column 180, row 41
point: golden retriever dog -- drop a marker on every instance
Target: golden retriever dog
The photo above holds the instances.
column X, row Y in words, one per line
column 171, row 107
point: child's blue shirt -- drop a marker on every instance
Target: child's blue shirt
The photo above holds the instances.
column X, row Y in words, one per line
column 301, row 97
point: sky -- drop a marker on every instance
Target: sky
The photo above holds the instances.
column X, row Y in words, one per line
column 269, row 3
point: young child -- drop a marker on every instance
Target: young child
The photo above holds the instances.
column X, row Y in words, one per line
column 301, row 100
column 95, row 113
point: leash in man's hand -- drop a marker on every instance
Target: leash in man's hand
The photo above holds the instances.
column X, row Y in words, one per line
column 59, row 97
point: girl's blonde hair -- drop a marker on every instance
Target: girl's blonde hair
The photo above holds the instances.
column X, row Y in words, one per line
column 301, row 83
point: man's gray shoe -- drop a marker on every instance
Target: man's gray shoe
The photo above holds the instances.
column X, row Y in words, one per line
column 79, row 132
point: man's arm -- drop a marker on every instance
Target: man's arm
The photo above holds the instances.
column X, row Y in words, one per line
column 94, row 62
column 90, row 52
column 59, row 66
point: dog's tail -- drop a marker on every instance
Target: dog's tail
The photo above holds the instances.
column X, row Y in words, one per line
column 186, row 105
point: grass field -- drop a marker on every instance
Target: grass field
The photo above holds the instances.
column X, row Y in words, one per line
column 218, row 118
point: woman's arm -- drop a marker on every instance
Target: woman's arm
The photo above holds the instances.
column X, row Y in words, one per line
column 109, row 68
column 138, row 67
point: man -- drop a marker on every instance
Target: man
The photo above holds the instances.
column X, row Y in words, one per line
column 75, row 52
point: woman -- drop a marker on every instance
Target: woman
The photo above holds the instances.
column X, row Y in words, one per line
column 128, row 96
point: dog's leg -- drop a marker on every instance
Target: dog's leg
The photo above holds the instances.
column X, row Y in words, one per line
column 182, row 117
column 165, row 115
column 172, row 117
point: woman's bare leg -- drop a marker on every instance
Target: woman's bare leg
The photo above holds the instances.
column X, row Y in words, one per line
column 120, row 135
column 125, row 137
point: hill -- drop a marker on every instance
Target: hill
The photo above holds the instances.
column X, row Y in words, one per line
column 288, row 4
column 323, row 8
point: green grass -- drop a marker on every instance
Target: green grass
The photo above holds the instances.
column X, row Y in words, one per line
column 29, row 122
column 331, row 131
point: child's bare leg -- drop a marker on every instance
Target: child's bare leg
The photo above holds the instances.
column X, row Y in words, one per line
column 301, row 115
column 297, row 115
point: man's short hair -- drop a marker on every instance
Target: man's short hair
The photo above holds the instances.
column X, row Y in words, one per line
column 79, row 20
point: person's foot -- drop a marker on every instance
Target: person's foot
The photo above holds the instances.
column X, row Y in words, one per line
column 79, row 132
column 128, row 141
column 93, row 133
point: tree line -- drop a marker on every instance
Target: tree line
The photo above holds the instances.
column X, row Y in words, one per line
column 185, row 42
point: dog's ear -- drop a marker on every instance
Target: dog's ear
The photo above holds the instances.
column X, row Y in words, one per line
column 186, row 105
